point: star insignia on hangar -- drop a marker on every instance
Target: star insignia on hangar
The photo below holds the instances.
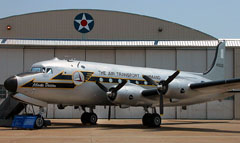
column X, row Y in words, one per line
column 83, row 22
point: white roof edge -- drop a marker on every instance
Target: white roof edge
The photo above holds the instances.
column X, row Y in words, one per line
column 230, row 39
column 150, row 43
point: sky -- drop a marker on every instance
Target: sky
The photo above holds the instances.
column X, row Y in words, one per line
column 219, row 18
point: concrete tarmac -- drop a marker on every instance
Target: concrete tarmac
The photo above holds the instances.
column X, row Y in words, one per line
column 128, row 130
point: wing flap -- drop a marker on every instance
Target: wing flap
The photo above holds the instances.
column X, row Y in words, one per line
column 200, row 99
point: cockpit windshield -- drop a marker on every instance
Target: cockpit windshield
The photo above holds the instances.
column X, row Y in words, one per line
column 42, row 70
column 37, row 69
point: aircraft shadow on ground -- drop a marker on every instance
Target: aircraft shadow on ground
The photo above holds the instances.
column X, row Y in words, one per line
column 168, row 126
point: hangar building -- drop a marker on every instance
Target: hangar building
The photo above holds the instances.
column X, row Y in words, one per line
column 118, row 38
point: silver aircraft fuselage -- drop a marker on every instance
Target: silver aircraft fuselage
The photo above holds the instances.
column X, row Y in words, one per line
column 71, row 82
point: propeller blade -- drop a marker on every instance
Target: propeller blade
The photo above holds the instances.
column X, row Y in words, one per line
column 171, row 78
column 109, row 112
column 161, row 104
column 119, row 86
column 104, row 88
column 149, row 80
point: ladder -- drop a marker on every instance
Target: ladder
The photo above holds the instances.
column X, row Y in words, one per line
column 8, row 109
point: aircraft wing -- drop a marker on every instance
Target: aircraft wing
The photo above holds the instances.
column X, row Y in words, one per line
column 210, row 91
column 215, row 87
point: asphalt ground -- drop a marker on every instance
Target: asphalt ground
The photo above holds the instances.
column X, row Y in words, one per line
column 128, row 130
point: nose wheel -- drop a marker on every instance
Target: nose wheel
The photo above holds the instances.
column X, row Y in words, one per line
column 39, row 123
column 151, row 120
column 90, row 118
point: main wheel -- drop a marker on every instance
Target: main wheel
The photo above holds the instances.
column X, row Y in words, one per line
column 84, row 118
column 92, row 118
column 39, row 123
column 146, row 119
column 156, row 120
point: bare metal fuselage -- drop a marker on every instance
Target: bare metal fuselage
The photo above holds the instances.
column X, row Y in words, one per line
column 88, row 93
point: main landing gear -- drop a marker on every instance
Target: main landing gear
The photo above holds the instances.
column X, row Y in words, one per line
column 89, row 117
column 151, row 120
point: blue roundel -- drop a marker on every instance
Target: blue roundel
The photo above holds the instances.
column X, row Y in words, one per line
column 83, row 22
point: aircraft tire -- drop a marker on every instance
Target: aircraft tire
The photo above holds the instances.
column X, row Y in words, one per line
column 156, row 120
column 92, row 118
column 84, row 118
column 39, row 123
column 146, row 119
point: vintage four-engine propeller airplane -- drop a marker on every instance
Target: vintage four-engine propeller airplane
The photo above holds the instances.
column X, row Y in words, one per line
column 87, row 84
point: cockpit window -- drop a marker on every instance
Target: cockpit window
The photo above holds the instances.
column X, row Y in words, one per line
column 42, row 69
column 49, row 71
column 36, row 69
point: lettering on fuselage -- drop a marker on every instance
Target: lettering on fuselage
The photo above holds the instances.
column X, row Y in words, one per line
column 38, row 85
column 154, row 77
column 49, row 85
column 33, row 84
column 126, row 75
column 219, row 65
column 120, row 74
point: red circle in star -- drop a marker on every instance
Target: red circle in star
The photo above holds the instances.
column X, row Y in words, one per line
column 84, row 22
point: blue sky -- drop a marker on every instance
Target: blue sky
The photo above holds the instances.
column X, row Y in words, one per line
column 219, row 18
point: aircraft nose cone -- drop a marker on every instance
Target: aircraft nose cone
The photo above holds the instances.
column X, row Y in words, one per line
column 11, row 84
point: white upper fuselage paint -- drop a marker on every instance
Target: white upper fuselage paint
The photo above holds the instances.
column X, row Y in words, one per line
column 88, row 93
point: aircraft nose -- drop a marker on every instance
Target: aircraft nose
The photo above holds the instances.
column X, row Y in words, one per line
column 11, row 84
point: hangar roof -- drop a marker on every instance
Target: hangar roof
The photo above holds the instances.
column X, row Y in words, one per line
column 86, row 43
column 88, row 24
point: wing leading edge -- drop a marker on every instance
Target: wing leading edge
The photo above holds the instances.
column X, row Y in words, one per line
column 215, row 87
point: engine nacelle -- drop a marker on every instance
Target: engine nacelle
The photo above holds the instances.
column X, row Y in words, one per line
column 130, row 95
column 178, row 89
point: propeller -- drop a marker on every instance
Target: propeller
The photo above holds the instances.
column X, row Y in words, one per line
column 111, row 92
column 162, row 87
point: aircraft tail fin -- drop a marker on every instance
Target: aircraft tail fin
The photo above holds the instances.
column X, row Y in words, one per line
column 216, row 71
